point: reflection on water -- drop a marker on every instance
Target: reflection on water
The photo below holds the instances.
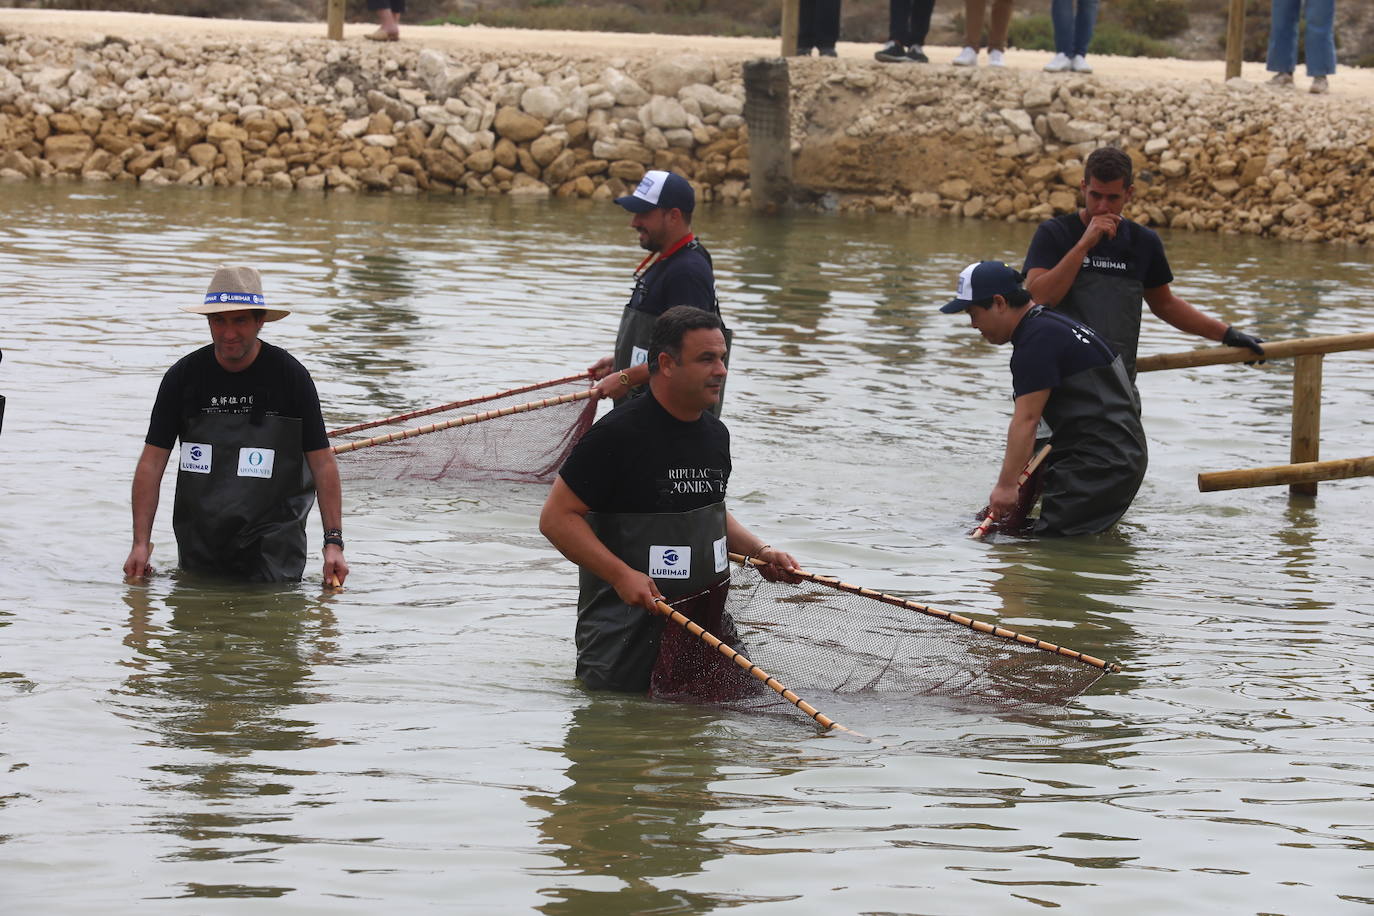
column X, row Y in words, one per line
column 417, row 742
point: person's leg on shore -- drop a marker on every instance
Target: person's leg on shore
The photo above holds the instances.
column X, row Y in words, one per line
column 973, row 33
column 920, row 13
column 999, row 24
column 1320, row 39
column 898, row 32
column 1083, row 25
column 1061, row 16
column 826, row 28
column 806, row 27
column 1282, row 58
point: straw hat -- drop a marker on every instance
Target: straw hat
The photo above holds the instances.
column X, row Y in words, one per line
column 235, row 288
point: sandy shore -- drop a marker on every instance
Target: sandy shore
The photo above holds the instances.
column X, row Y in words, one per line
column 79, row 25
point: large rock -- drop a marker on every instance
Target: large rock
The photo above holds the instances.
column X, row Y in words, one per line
column 515, row 125
column 67, row 152
column 668, row 75
column 620, row 148
column 622, row 88
column 545, row 149
column 663, row 113
column 710, row 100
column 439, row 79
column 523, row 185
column 542, row 102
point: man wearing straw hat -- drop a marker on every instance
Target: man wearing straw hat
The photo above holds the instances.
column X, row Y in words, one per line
column 640, row 506
column 1061, row 370
column 253, row 450
column 676, row 271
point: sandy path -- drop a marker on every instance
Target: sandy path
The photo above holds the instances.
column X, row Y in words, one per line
column 66, row 24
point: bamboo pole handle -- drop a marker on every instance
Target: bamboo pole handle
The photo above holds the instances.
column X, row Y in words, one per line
column 1273, row 349
column 1279, row 474
column 677, row 617
column 986, row 524
column 454, row 405
column 979, row 625
column 461, row 421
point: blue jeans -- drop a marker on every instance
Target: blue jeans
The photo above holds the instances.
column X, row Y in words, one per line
column 1073, row 32
column 1320, row 41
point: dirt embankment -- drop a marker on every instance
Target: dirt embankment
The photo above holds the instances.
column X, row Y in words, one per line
column 160, row 99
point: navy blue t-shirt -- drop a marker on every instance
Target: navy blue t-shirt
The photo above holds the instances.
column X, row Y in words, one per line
column 639, row 458
column 1136, row 252
column 685, row 278
column 1048, row 347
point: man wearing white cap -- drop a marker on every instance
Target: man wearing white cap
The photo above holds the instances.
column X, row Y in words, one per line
column 254, row 453
column 677, row 271
column 1063, row 370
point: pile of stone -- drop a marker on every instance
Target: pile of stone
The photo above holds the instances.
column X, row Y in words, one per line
column 1229, row 157
column 314, row 114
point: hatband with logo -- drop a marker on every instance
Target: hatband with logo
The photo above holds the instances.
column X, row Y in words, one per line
column 660, row 190
column 233, row 289
column 982, row 281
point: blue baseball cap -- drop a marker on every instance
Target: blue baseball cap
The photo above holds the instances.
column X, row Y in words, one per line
column 982, row 281
column 660, row 190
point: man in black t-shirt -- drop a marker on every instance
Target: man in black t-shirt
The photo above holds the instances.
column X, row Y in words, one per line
column 640, row 505
column 253, row 456
column 1064, row 371
column 1096, row 266
column 681, row 274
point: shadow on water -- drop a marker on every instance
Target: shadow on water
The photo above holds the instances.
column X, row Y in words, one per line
column 220, row 677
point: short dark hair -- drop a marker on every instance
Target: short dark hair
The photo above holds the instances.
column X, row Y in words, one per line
column 673, row 325
column 1108, row 163
column 1016, row 298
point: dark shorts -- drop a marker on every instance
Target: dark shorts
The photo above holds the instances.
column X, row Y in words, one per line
column 396, row 6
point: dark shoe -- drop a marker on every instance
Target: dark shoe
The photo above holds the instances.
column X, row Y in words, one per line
column 803, row 52
column 827, row 52
column 892, row 53
column 915, row 54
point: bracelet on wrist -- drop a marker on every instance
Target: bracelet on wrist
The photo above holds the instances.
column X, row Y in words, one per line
column 334, row 539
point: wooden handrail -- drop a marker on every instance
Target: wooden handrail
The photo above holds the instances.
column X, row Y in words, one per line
column 1306, row 472
column 1273, row 349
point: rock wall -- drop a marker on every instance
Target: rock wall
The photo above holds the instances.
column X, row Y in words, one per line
column 980, row 143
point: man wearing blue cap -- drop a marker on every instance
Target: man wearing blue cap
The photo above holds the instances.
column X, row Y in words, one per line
column 1064, row 371
column 676, row 271
column 253, row 455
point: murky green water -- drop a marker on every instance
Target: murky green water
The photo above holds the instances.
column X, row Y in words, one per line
column 416, row 743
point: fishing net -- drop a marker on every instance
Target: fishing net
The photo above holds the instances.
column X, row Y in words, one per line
column 816, row 638
column 523, row 434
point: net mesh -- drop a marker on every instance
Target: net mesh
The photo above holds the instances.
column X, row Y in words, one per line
column 529, row 445
column 816, row 639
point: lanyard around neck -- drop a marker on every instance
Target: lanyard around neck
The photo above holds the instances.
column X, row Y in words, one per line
column 664, row 255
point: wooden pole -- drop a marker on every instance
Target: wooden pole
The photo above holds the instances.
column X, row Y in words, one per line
column 335, row 19
column 1235, row 39
column 1307, row 418
column 1273, row 349
column 791, row 19
column 346, row 447
column 1279, row 474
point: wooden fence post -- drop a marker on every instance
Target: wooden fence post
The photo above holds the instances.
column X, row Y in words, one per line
column 791, row 19
column 335, row 19
column 1235, row 38
column 1307, row 417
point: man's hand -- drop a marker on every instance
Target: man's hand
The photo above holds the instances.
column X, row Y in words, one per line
column 1002, row 500
column 637, row 589
column 599, row 368
column 335, row 566
column 1234, row 338
column 781, row 565
column 137, row 565
column 1104, row 225
column 610, row 386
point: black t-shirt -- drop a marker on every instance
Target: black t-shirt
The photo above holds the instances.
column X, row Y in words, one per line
column 685, row 278
column 640, row 458
column 1136, row 252
column 275, row 382
column 1048, row 347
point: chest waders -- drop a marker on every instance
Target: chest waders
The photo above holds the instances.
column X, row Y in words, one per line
column 1110, row 305
column 683, row 552
column 1099, row 454
column 244, row 491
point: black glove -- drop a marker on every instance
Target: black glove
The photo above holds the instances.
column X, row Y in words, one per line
column 1234, row 338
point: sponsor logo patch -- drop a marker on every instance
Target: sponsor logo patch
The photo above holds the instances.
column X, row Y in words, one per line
column 256, row 462
column 670, row 562
column 722, row 555
column 638, row 356
column 195, row 457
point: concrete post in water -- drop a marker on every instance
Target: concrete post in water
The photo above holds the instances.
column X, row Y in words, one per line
column 791, row 25
column 1307, row 417
column 336, row 19
column 1235, row 38
column 768, row 115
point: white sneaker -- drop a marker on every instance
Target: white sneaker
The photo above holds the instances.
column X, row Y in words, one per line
column 967, row 58
column 996, row 59
column 1058, row 64
column 1081, row 65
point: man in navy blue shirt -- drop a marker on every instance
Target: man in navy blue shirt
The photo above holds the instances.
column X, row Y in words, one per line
column 677, row 271
column 1063, row 371
column 1096, row 266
